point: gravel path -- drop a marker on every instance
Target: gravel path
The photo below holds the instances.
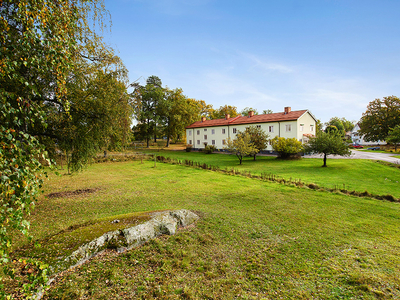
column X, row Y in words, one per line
column 359, row 154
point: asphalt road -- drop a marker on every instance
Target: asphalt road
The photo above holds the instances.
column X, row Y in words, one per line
column 359, row 154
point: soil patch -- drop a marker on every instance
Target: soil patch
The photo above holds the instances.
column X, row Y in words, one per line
column 71, row 193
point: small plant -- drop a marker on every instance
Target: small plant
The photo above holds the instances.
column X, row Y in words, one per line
column 189, row 147
column 208, row 149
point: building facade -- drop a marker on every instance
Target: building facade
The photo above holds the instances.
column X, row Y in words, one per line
column 288, row 124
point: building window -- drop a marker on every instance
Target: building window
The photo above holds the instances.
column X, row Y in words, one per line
column 190, row 142
column 234, row 130
column 213, row 142
column 223, row 130
column 198, row 142
column 205, row 136
column 223, row 142
column 258, row 126
column 301, row 127
column 288, row 127
column 212, row 131
column 311, row 127
column 271, row 128
column 190, row 132
column 205, row 129
column 198, row 132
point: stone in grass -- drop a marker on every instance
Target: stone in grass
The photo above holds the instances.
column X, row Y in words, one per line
column 122, row 240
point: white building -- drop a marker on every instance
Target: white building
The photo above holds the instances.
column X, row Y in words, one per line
column 298, row 124
column 359, row 139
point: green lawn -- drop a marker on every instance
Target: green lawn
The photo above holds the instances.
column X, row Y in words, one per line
column 255, row 239
column 359, row 175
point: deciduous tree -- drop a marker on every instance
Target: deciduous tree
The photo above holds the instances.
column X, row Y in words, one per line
column 381, row 116
column 328, row 143
column 245, row 111
column 222, row 111
column 38, row 46
column 241, row 146
column 394, row 137
column 149, row 100
column 257, row 136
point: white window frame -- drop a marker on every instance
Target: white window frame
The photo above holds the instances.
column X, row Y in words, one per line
column 301, row 127
column 234, row 130
column 223, row 130
column 205, row 137
column 271, row 128
column 198, row 132
column 288, row 127
column 212, row 131
column 198, row 142
column 311, row 127
column 212, row 142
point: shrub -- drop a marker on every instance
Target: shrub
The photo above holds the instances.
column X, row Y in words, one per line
column 287, row 148
column 189, row 147
column 208, row 149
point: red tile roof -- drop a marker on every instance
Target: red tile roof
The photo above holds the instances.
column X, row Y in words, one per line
column 268, row 118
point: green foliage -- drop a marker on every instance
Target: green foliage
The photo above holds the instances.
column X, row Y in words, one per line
column 241, row 146
column 380, row 117
column 394, row 137
column 328, row 143
column 257, row 136
column 41, row 44
column 245, row 111
column 341, row 124
column 223, row 111
column 208, row 149
column 267, row 111
column 149, row 100
column 286, row 147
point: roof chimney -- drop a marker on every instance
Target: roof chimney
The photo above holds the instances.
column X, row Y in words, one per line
column 288, row 109
column 203, row 119
column 227, row 116
column 251, row 113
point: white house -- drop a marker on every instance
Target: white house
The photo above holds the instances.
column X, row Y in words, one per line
column 359, row 139
column 298, row 124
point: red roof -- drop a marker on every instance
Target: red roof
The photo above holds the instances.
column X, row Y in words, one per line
column 268, row 118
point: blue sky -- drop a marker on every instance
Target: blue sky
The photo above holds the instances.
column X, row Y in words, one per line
column 332, row 57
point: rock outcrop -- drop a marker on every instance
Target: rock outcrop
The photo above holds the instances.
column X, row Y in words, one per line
column 126, row 239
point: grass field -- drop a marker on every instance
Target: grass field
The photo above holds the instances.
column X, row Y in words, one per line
column 359, row 175
column 255, row 240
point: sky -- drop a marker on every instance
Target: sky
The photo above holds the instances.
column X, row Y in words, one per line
column 331, row 57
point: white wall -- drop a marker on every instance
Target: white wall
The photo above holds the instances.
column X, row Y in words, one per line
column 278, row 129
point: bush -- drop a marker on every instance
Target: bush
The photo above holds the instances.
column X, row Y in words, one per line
column 189, row 147
column 287, row 148
column 208, row 149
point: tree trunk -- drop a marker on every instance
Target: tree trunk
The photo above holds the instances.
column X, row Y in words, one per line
column 324, row 165
column 255, row 156
column 240, row 158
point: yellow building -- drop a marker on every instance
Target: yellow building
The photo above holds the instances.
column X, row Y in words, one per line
column 298, row 124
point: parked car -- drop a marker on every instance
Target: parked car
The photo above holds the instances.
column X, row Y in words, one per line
column 357, row 146
column 374, row 148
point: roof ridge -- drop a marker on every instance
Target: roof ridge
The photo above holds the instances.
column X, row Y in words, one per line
column 233, row 119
